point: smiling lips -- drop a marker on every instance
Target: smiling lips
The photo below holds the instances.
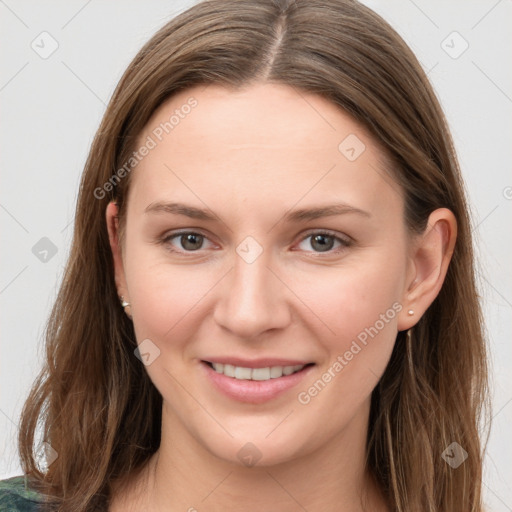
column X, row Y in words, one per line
column 254, row 381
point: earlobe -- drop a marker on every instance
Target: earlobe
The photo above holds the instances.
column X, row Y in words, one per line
column 430, row 259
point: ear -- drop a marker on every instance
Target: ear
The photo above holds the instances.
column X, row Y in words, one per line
column 430, row 256
column 111, row 215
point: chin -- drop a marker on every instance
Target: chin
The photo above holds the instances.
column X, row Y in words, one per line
column 254, row 450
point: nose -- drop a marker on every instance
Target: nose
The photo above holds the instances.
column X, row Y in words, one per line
column 253, row 298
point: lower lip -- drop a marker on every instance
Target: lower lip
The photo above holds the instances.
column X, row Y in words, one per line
column 254, row 391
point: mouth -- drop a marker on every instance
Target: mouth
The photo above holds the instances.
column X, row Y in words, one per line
column 257, row 374
column 254, row 385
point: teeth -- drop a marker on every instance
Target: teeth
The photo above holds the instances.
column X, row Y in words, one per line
column 275, row 372
column 242, row 373
column 239, row 372
column 260, row 373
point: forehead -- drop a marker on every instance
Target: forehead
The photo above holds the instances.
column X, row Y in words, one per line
column 270, row 115
column 267, row 140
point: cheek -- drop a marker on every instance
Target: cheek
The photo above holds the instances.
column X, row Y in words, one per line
column 351, row 298
column 165, row 297
column 361, row 307
column 358, row 308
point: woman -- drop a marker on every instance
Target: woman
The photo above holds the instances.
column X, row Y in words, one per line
column 270, row 301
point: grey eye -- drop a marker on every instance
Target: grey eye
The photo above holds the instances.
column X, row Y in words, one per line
column 191, row 241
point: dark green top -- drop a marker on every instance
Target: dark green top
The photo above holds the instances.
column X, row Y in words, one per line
column 16, row 496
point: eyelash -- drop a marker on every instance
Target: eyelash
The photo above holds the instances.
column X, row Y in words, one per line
column 344, row 242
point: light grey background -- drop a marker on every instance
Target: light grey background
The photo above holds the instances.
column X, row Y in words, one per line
column 51, row 108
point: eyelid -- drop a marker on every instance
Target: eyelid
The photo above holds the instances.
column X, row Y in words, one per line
column 340, row 236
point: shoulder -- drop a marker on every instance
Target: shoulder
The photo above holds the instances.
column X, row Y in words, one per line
column 16, row 495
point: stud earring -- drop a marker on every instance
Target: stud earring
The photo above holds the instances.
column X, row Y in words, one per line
column 410, row 312
column 125, row 305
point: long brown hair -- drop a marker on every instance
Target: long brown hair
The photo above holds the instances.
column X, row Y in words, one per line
column 96, row 404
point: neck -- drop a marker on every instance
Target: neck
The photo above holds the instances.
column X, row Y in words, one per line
column 183, row 475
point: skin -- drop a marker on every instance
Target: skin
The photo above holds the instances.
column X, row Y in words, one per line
column 250, row 157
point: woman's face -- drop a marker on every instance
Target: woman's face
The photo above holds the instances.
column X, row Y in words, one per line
column 264, row 279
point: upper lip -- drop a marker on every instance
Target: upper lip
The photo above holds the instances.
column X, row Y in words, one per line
column 256, row 363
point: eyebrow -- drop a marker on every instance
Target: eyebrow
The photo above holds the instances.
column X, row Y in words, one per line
column 301, row 215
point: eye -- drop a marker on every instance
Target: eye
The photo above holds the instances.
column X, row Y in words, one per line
column 189, row 241
column 324, row 241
